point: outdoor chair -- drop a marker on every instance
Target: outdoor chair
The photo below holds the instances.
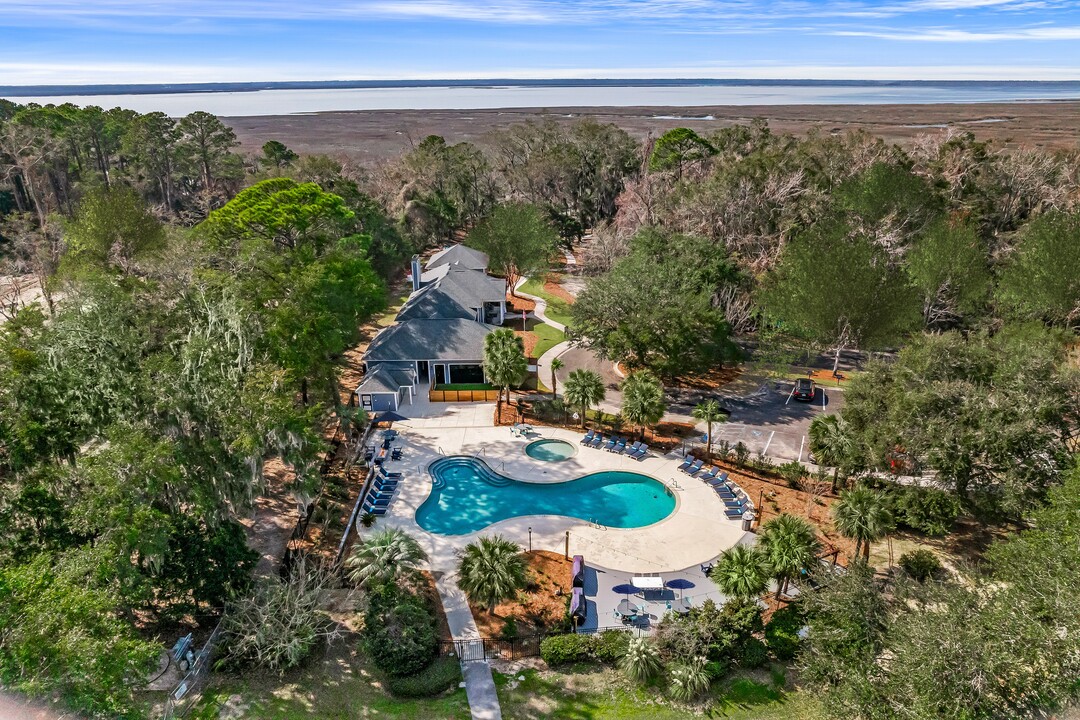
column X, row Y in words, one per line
column 382, row 484
column 619, row 446
column 588, row 437
column 396, row 453
column 734, row 512
column 641, row 453
column 710, row 474
column 611, row 443
column 693, row 469
column 687, row 463
column 375, row 509
column 734, row 504
column 597, row 440
column 390, row 475
column 378, row 502
column 633, row 448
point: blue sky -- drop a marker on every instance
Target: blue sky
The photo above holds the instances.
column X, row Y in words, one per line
column 105, row 41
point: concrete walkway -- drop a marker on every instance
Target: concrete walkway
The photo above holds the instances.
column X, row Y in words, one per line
column 479, row 684
column 541, row 306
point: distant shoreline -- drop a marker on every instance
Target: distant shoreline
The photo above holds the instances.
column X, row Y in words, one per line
column 16, row 91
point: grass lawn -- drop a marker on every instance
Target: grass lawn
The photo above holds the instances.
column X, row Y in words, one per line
column 336, row 684
column 604, row 694
column 465, row 386
column 557, row 308
column 547, row 337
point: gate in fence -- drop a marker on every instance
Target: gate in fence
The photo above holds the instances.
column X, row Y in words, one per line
column 189, row 690
column 482, row 649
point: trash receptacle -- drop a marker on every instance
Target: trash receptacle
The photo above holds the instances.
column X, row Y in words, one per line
column 747, row 520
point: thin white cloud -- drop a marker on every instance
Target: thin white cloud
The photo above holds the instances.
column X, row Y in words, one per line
column 946, row 35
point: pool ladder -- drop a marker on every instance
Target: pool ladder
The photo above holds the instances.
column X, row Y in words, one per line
column 597, row 525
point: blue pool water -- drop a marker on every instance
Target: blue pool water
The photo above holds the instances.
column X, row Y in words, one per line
column 467, row 496
column 550, row 450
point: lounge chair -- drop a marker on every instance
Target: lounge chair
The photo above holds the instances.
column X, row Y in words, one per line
column 588, row 437
column 377, row 501
column 619, row 447
column 709, row 474
column 726, row 495
column 611, row 443
column 717, row 482
column 735, row 504
column 375, row 509
column 387, row 484
column 734, row 512
column 687, row 463
column 597, row 440
column 641, row 453
column 390, row 475
column 723, row 476
column 693, row 469
column 631, row 449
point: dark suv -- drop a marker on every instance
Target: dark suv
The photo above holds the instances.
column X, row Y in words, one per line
column 804, row 389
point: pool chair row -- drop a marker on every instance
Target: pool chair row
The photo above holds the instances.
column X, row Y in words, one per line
column 618, row 445
column 377, row 501
column 735, row 501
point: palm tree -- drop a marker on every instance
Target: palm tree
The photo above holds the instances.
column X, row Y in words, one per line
column 556, row 364
column 583, row 389
column 709, row 412
column 491, row 570
column 384, row 557
column 504, row 361
column 742, row 572
column 643, row 399
column 831, row 443
column 790, row 546
column 862, row 515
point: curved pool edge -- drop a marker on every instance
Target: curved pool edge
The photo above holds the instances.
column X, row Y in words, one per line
column 570, row 519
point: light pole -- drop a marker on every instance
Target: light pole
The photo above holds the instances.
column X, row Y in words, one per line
column 530, row 538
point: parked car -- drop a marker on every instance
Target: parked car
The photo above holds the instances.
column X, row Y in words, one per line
column 804, row 389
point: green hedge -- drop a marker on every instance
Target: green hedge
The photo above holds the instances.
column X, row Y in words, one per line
column 782, row 633
column 435, row 679
column 927, row 510
column 564, row 649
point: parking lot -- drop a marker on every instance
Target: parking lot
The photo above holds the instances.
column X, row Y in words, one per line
column 773, row 422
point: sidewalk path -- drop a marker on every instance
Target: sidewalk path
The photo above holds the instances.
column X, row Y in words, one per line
column 541, row 306
column 479, row 684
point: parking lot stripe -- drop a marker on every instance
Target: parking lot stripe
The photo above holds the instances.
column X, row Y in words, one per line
column 769, row 442
column 802, row 441
column 822, row 399
column 790, row 395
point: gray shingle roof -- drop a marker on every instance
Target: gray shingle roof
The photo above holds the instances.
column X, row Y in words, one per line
column 465, row 256
column 436, row 301
column 385, row 380
column 431, row 339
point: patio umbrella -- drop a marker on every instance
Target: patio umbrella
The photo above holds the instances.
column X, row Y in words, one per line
column 625, row 589
column 388, row 416
column 679, row 584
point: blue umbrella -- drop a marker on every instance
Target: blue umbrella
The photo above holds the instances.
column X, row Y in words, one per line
column 625, row 589
column 679, row 584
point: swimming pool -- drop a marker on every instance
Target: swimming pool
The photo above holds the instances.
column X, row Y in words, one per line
column 467, row 496
column 550, row 450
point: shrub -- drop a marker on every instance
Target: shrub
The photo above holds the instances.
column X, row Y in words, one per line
column 611, row 645
column 717, row 669
column 793, row 473
column 742, row 453
column 641, row 662
column 688, row 680
column 751, row 653
column 742, row 617
column 564, row 649
column 399, row 633
column 920, row 564
column 782, row 633
column 436, row 678
column 509, row 629
column 927, row 510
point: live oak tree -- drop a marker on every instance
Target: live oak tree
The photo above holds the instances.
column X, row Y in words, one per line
column 112, row 230
column 950, row 265
column 518, row 239
column 1042, row 278
column 838, row 289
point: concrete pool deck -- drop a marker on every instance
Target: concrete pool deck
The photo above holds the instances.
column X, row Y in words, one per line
column 696, row 532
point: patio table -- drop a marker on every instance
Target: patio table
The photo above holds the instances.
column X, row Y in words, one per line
column 627, row 608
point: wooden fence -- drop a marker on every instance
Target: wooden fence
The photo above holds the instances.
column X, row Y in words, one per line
column 463, row 395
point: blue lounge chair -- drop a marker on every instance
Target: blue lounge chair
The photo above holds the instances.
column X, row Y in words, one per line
column 687, row 463
column 375, row 509
column 641, row 453
column 734, row 512
column 693, row 469
column 619, row 447
column 630, row 450
column 723, row 476
column 377, row 502
column 726, row 495
column 597, row 440
column 717, row 482
column 588, row 437
column 709, row 474
column 735, row 504
column 384, row 483
column 389, row 475
column 611, row 443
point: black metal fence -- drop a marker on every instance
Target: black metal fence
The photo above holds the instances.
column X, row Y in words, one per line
column 482, row 649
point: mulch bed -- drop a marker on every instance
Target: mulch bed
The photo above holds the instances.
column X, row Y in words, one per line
column 557, row 290
column 538, row 607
